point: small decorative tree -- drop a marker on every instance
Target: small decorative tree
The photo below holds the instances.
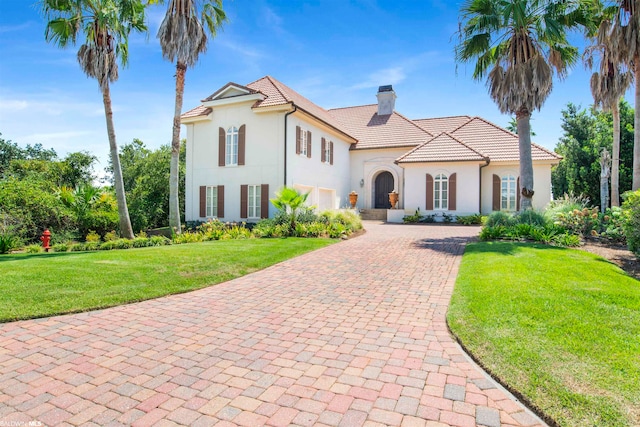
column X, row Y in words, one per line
column 290, row 201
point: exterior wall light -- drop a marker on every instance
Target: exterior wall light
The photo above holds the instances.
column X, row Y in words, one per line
column 362, row 182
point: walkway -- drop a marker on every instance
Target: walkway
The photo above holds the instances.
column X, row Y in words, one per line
column 352, row 334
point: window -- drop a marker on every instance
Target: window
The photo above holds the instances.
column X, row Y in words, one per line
column 212, row 202
column 231, row 157
column 508, row 193
column 441, row 192
column 303, row 143
column 254, row 201
column 327, row 151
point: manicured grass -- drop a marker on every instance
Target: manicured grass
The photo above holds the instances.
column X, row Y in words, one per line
column 560, row 326
column 37, row 285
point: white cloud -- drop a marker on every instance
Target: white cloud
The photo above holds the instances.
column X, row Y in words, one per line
column 240, row 48
column 13, row 28
column 386, row 76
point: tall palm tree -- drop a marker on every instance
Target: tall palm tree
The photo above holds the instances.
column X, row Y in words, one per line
column 608, row 84
column 183, row 37
column 106, row 25
column 625, row 38
column 517, row 46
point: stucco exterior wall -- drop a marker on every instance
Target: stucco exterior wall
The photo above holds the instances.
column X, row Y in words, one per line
column 367, row 165
column 541, row 177
column 467, row 186
column 263, row 159
column 327, row 184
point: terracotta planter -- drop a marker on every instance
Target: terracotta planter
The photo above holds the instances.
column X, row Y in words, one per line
column 353, row 199
column 393, row 199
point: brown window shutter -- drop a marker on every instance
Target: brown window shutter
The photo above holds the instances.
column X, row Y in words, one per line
column 323, row 150
column 298, row 137
column 309, row 144
column 496, row 193
column 452, row 192
column 244, row 200
column 222, row 136
column 264, row 201
column 220, row 201
column 203, row 201
column 429, row 204
column 331, row 152
column 241, row 144
column 518, row 193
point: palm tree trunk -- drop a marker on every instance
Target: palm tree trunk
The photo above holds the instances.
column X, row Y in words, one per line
column 174, row 202
column 636, row 128
column 123, row 212
column 615, row 156
column 523, row 117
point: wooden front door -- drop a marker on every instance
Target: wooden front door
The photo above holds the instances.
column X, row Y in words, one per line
column 383, row 186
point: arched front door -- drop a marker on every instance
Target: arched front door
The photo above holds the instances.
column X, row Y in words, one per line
column 384, row 186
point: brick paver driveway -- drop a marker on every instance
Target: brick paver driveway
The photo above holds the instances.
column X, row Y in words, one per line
column 351, row 334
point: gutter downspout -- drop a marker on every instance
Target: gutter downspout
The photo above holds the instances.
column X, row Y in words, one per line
column 488, row 160
column 295, row 108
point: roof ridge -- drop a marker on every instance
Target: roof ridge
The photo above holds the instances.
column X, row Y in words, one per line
column 352, row 106
column 445, row 117
column 413, row 123
column 273, row 82
column 464, row 124
column 466, row 145
column 416, row 148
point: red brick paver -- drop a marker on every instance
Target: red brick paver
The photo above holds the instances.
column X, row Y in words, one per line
column 351, row 334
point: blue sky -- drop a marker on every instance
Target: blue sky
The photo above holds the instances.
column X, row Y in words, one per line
column 334, row 52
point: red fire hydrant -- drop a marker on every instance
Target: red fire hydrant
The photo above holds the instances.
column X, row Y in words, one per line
column 46, row 238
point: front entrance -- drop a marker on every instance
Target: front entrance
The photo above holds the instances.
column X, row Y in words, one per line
column 383, row 186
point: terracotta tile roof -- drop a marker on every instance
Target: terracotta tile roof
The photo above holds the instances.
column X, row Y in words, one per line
column 442, row 148
column 374, row 131
column 436, row 125
column 216, row 93
column 200, row 110
column 497, row 143
column 278, row 93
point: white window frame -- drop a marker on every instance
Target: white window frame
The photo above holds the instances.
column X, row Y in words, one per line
column 327, row 152
column 441, row 192
column 303, row 142
column 231, row 147
column 212, row 201
column 254, row 200
column 508, row 193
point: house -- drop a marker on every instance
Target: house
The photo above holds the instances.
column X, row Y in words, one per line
column 246, row 142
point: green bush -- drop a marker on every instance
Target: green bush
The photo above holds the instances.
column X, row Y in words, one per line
column 499, row 218
column 108, row 245
column 580, row 222
column 7, row 243
column 412, row 219
column 159, row 241
column 60, row 247
column 187, row 237
column 123, row 244
column 631, row 209
column 33, row 249
column 567, row 203
column 92, row 246
column 530, row 217
column 469, row 219
column 92, row 236
column 110, row 236
column 141, row 242
column 567, row 239
column 236, row 232
column 611, row 226
column 78, row 247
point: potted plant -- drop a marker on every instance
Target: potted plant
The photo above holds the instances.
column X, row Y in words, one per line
column 393, row 199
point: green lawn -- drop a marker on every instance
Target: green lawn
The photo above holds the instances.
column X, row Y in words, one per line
column 37, row 285
column 561, row 326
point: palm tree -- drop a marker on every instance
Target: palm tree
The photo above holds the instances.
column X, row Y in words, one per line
column 608, row 84
column 106, row 25
column 522, row 43
column 290, row 201
column 625, row 43
column 183, row 37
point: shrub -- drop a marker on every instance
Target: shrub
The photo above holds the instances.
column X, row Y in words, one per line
column 411, row 219
column 469, row 219
column 428, row 218
column 92, row 246
column 78, row 247
column 237, row 232
column 110, row 236
column 123, row 243
column 264, row 228
column 108, row 245
column 141, row 242
column 7, row 243
column 159, row 241
column 490, row 232
column 187, row 237
column 631, row 208
column 92, row 236
column 580, row 222
column 33, row 249
column 499, row 218
column 531, row 217
column 567, row 239
column 567, row 203
column 60, row 247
